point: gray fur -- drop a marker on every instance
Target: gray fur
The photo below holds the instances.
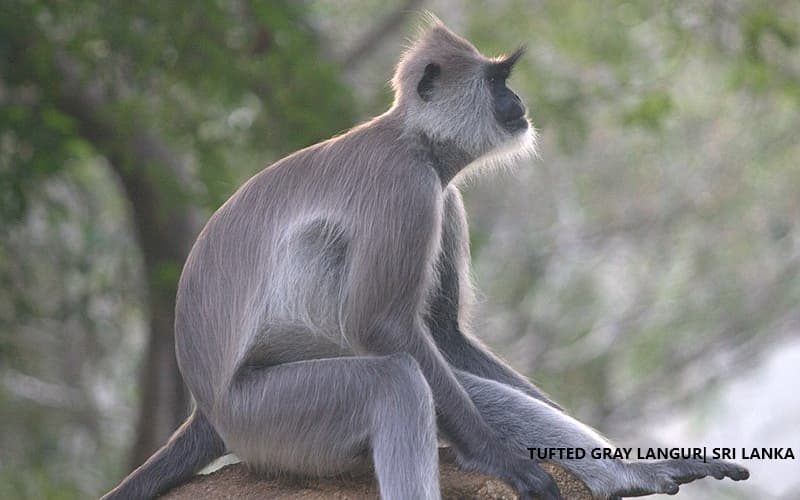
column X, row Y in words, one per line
column 321, row 314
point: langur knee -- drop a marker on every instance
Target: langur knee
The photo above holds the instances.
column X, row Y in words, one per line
column 406, row 383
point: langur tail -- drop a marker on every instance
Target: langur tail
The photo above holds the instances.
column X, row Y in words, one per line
column 193, row 446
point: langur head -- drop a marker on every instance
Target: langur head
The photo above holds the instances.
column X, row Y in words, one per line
column 447, row 90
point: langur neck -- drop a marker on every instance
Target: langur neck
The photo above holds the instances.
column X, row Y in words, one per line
column 446, row 157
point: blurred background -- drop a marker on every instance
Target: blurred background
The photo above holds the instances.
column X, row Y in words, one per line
column 645, row 270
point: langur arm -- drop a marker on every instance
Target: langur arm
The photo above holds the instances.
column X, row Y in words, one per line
column 461, row 350
column 385, row 297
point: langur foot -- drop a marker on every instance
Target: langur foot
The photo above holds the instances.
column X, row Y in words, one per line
column 666, row 476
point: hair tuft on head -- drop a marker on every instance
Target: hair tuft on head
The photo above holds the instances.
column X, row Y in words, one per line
column 429, row 20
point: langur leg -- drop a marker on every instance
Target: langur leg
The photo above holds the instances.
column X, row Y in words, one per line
column 326, row 416
column 477, row 443
column 527, row 422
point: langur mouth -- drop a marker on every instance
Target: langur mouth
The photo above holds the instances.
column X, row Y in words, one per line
column 516, row 124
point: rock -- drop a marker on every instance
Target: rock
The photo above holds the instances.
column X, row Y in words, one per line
column 237, row 482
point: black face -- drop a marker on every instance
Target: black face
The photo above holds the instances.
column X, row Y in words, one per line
column 508, row 107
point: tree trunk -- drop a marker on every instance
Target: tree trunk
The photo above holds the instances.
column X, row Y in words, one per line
column 165, row 230
column 153, row 178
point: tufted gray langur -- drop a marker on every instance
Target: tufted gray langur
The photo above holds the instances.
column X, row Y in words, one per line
column 320, row 314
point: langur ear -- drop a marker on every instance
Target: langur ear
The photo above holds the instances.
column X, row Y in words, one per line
column 425, row 85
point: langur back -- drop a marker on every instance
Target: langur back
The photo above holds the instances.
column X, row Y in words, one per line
column 274, row 259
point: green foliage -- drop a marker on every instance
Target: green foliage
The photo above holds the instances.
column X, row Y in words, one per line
column 767, row 36
column 650, row 111
column 248, row 71
column 615, row 56
column 35, row 483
